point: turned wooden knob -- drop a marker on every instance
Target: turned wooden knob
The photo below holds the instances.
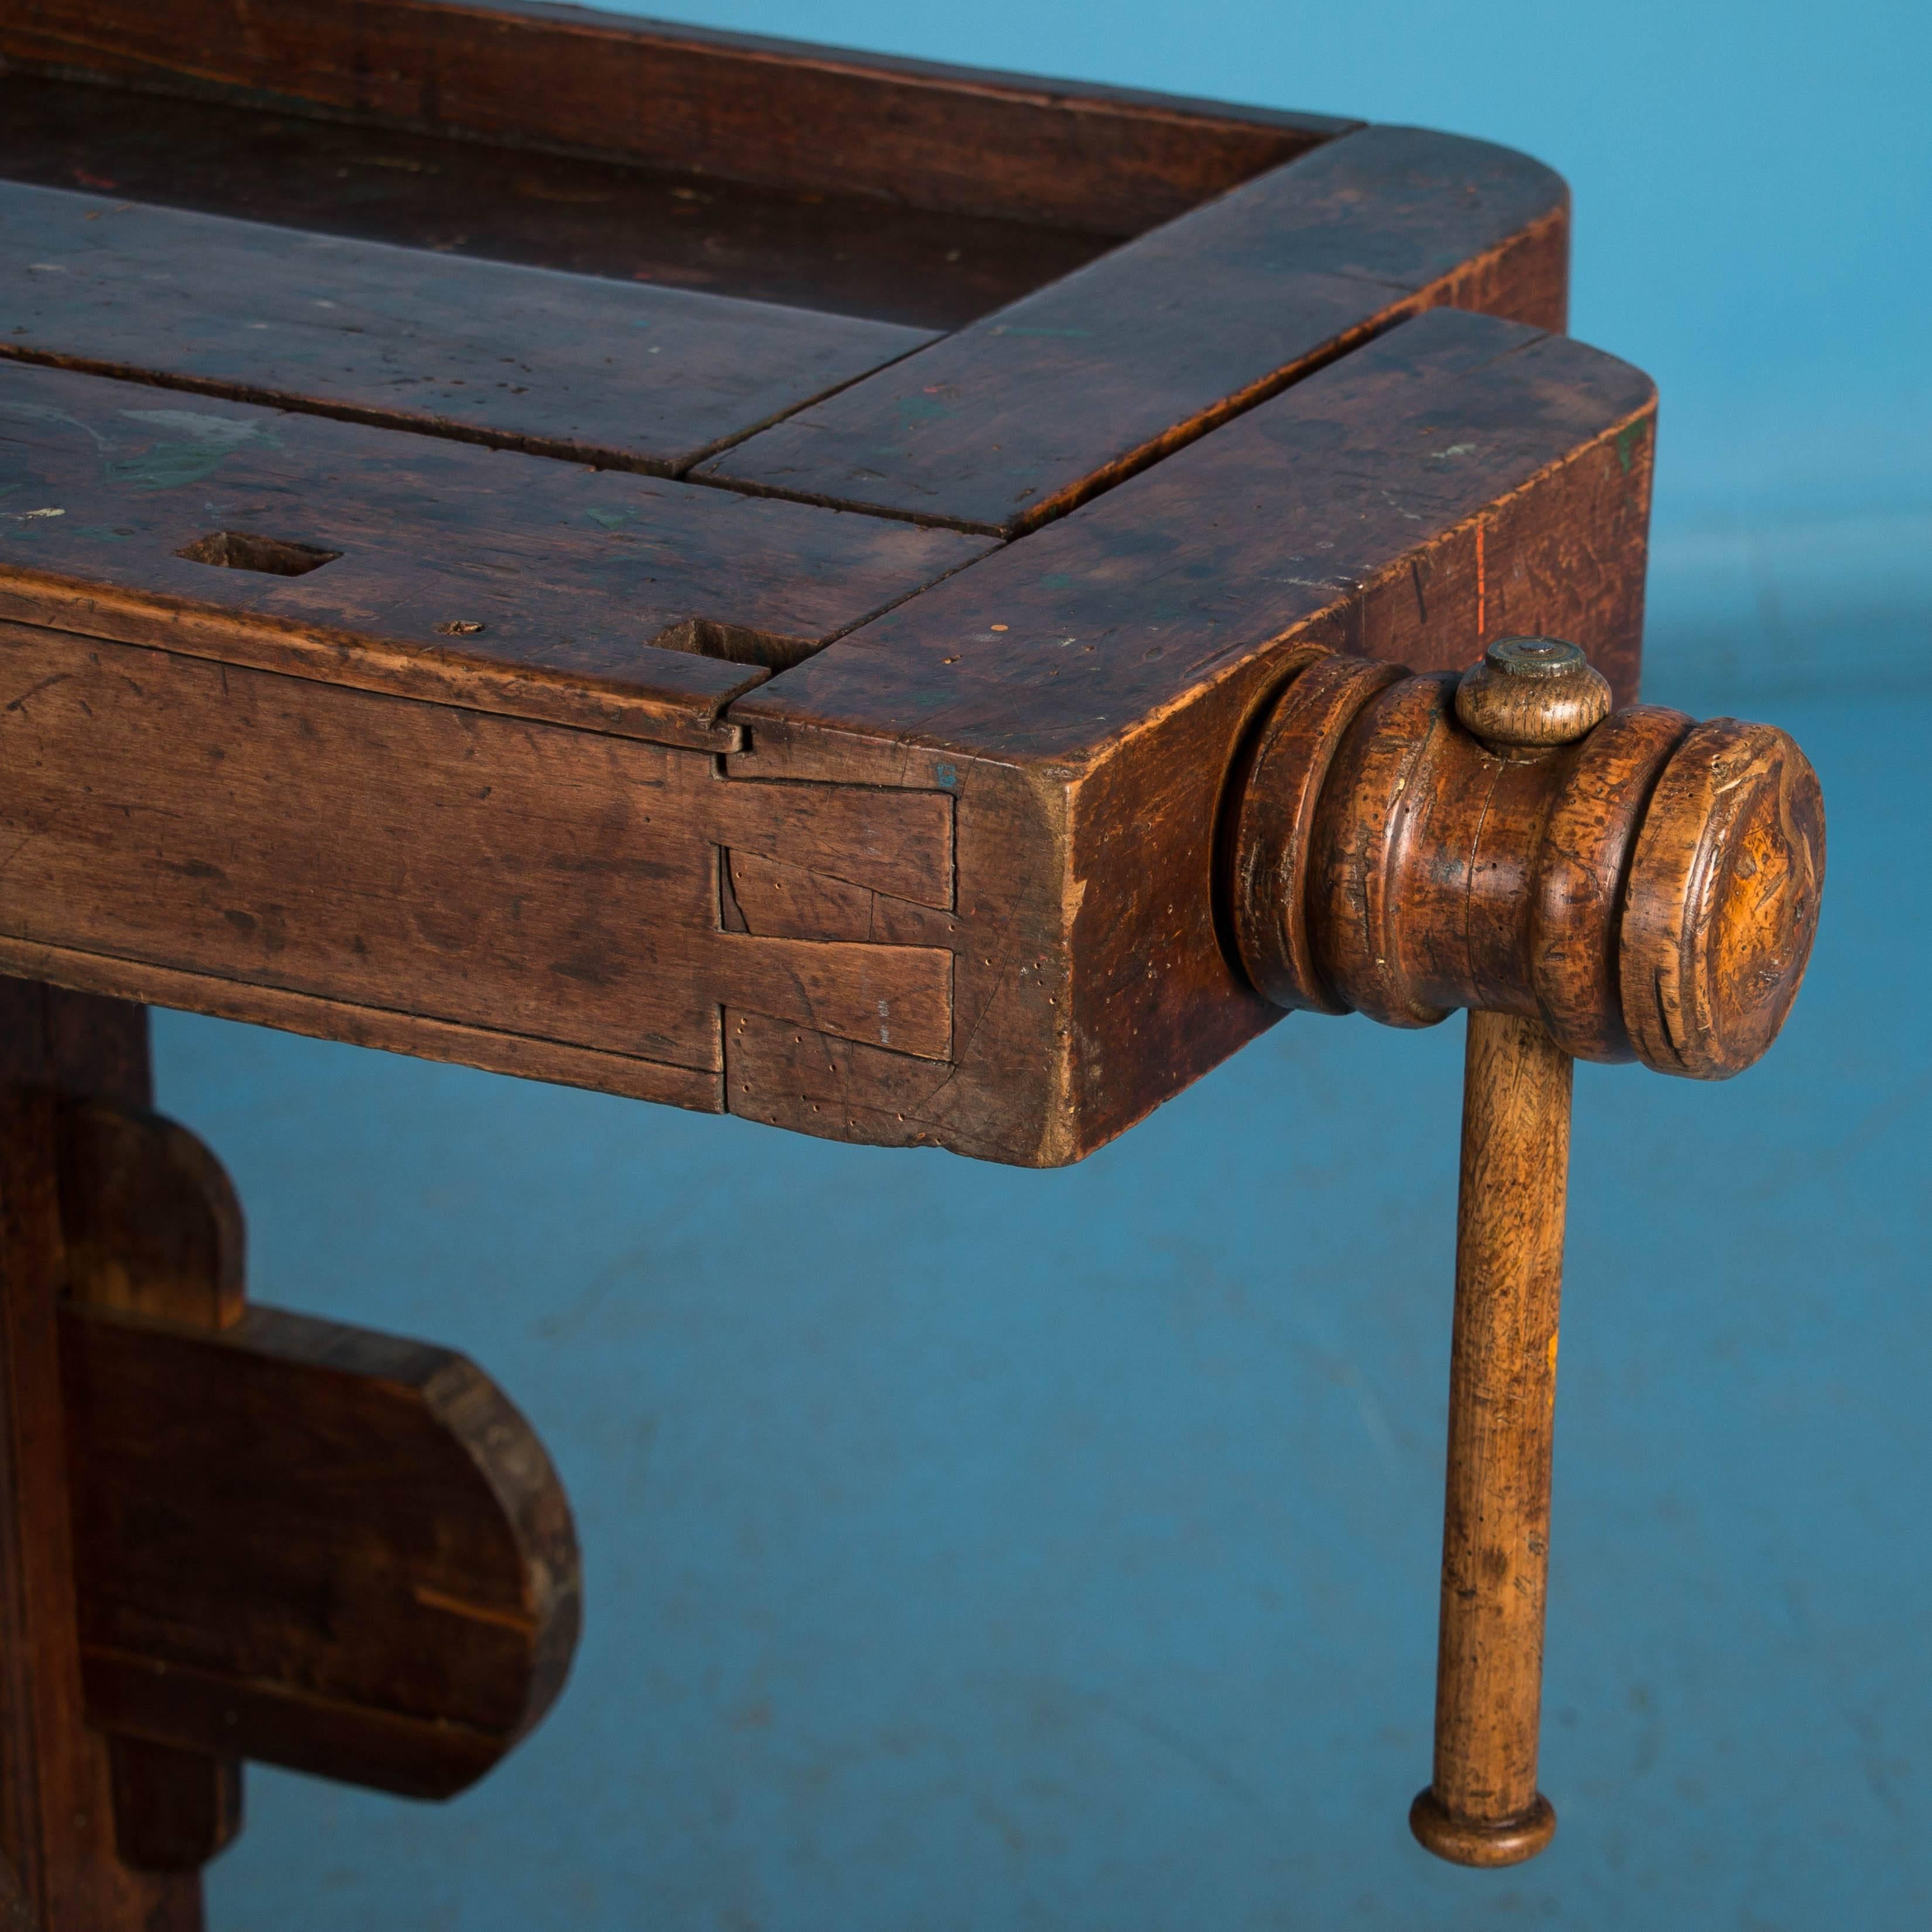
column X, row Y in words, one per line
column 1644, row 885
column 1588, row 884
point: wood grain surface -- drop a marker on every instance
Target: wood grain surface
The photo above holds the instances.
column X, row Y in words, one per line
column 148, row 1217
column 626, row 375
column 827, row 119
column 313, row 1546
column 1074, row 699
column 1083, row 692
column 1026, row 413
column 151, row 1226
column 557, row 884
column 495, row 581
column 1483, row 1806
column 491, row 1048
column 58, row 1825
column 850, row 254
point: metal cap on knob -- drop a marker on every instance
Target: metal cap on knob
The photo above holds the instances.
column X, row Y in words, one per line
column 1530, row 694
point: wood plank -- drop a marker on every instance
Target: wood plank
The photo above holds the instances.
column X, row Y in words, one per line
column 852, row 254
column 498, row 875
column 626, row 375
column 893, row 841
column 488, row 1049
column 150, row 1225
column 566, row 573
column 1025, row 413
column 1086, row 690
column 832, row 119
column 1315, row 506
column 57, row 1811
column 314, row 1545
column 769, row 896
column 783, row 1076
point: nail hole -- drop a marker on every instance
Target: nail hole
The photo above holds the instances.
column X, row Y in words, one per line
column 236, row 549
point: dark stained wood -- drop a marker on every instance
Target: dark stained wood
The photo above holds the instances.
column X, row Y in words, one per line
column 170, row 1814
column 566, row 574
column 149, row 1217
column 1025, row 413
column 313, row 1546
column 1084, row 692
column 491, row 1048
column 57, row 1813
column 626, row 375
column 483, row 871
column 1039, row 739
column 850, row 254
column 150, row 1224
column 832, row 120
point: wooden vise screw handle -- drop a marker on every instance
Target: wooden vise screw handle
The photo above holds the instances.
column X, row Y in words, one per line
column 1633, row 886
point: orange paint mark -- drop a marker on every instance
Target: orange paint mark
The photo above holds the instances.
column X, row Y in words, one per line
column 1482, row 590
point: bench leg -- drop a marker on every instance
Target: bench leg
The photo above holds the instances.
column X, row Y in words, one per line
column 62, row 1867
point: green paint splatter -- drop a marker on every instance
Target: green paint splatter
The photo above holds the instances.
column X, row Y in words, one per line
column 192, row 445
column 1628, row 439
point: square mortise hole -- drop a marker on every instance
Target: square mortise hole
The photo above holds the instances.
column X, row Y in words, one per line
column 735, row 644
column 235, row 550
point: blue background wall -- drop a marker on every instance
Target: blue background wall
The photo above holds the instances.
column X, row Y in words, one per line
column 971, row 1549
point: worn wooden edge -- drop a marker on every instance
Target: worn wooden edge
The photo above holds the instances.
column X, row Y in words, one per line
column 438, row 1398
column 204, row 1711
column 1104, row 476
column 1435, row 295
column 1511, row 278
column 864, row 701
column 1132, row 157
column 256, row 640
column 510, row 1458
column 1550, row 230
column 700, row 1089
column 1071, row 762
column 1285, row 649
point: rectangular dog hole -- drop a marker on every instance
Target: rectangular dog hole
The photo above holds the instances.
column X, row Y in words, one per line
column 735, row 644
column 236, row 549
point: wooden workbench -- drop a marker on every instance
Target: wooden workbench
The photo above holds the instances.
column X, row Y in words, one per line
column 729, row 574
